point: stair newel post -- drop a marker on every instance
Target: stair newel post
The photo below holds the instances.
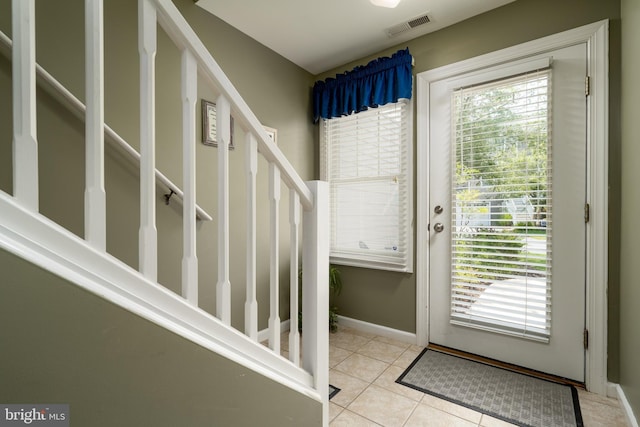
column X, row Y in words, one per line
column 315, row 291
column 274, row 258
column 251, row 303
column 223, row 134
column 294, row 334
column 25, row 140
column 95, row 203
column 189, row 85
column 147, row 45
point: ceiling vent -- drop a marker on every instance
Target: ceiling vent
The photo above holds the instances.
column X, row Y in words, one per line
column 406, row 26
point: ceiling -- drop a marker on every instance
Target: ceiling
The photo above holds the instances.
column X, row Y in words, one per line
column 319, row 35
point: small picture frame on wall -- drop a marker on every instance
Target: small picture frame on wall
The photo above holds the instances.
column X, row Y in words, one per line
column 273, row 134
column 209, row 123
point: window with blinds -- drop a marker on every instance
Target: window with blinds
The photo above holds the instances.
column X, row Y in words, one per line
column 501, row 199
column 366, row 160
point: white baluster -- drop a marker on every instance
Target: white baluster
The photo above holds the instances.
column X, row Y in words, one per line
column 25, row 140
column 251, row 304
column 315, row 291
column 294, row 334
column 148, row 245
column 223, row 134
column 189, row 257
column 95, row 217
column 274, row 302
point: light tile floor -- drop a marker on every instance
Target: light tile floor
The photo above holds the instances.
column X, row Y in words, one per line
column 365, row 367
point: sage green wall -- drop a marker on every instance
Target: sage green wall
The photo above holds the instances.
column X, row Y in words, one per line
column 389, row 298
column 275, row 89
column 61, row 344
column 630, row 206
column 69, row 346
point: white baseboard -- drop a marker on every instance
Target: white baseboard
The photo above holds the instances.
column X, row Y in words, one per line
column 372, row 328
column 263, row 335
column 618, row 393
column 383, row 331
column 612, row 390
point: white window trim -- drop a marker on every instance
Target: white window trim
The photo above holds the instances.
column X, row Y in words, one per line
column 596, row 36
column 363, row 262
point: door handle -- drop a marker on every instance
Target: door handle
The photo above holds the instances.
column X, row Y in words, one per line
column 438, row 227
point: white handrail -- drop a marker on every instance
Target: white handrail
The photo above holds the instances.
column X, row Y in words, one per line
column 313, row 197
column 54, row 87
column 177, row 28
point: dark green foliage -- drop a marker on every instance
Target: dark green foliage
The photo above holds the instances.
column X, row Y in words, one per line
column 335, row 285
column 333, row 319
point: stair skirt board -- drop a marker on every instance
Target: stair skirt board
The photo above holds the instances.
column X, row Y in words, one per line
column 44, row 243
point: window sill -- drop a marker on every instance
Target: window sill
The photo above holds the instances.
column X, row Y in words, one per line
column 371, row 264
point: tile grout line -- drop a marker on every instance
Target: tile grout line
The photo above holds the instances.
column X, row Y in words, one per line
column 588, row 404
column 373, row 382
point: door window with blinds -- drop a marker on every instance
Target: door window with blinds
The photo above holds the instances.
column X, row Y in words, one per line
column 501, row 198
column 366, row 158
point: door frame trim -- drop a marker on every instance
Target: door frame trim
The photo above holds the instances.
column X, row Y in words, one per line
column 596, row 36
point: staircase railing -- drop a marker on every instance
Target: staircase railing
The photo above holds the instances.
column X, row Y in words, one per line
column 25, row 231
column 58, row 91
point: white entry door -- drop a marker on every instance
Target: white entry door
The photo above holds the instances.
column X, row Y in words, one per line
column 507, row 193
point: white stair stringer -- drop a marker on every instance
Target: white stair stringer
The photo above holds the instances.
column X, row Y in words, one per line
column 44, row 243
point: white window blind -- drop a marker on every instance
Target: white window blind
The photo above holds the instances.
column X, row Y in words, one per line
column 501, row 221
column 366, row 160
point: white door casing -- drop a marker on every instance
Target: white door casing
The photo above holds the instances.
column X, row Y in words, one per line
column 596, row 38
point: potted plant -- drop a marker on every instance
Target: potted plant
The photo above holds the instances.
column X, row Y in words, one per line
column 335, row 286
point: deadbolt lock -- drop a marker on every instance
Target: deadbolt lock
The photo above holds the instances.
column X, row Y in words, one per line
column 438, row 209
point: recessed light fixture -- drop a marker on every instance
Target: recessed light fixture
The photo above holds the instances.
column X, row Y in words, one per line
column 385, row 3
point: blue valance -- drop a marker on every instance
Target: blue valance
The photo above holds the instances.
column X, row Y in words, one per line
column 380, row 82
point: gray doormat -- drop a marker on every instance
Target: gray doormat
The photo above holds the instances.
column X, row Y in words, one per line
column 510, row 396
